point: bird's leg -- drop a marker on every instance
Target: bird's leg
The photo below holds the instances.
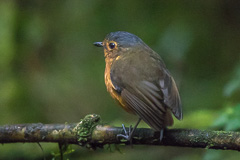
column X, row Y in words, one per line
column 161, row 134
column 128, row 135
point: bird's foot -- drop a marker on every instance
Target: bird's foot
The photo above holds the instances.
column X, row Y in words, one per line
column 126, row 135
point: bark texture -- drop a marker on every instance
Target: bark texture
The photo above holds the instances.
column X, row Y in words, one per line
column 91, row 133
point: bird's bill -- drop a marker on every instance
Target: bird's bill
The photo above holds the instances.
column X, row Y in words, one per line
column 98, row 44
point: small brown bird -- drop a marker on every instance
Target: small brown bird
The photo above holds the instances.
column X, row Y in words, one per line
column 138, row 79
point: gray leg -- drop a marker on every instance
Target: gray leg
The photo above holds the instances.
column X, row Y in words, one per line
column 128, row 135
column 161, row 134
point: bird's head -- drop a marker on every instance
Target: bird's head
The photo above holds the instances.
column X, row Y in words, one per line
column 118, row 43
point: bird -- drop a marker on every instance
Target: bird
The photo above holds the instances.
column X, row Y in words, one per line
column 137, row 78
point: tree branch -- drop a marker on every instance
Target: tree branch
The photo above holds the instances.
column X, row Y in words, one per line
column 91, row 133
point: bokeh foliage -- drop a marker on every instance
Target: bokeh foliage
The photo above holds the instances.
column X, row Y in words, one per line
column 51, row 73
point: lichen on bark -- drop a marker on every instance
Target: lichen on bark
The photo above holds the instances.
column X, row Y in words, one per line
column 85, row 128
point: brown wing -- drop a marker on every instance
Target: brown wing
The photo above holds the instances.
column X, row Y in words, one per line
column 169, row 89
column 171, row 95
column 146, row 101
column 153, row 103
column 150, row 91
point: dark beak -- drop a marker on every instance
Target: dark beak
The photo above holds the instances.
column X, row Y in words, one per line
column 98, row 44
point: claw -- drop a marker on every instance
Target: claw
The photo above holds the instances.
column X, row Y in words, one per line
column 125, row 131
column 128, row 135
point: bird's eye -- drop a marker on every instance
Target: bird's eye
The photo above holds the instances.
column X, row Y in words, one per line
column 112, row 45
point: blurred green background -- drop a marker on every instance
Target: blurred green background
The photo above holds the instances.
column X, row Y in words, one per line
column 51, row 73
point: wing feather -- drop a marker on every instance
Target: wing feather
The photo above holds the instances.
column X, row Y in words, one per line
column 152, row 117
column 171, row 95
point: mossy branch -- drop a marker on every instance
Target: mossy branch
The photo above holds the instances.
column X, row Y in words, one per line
column 91, row 133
